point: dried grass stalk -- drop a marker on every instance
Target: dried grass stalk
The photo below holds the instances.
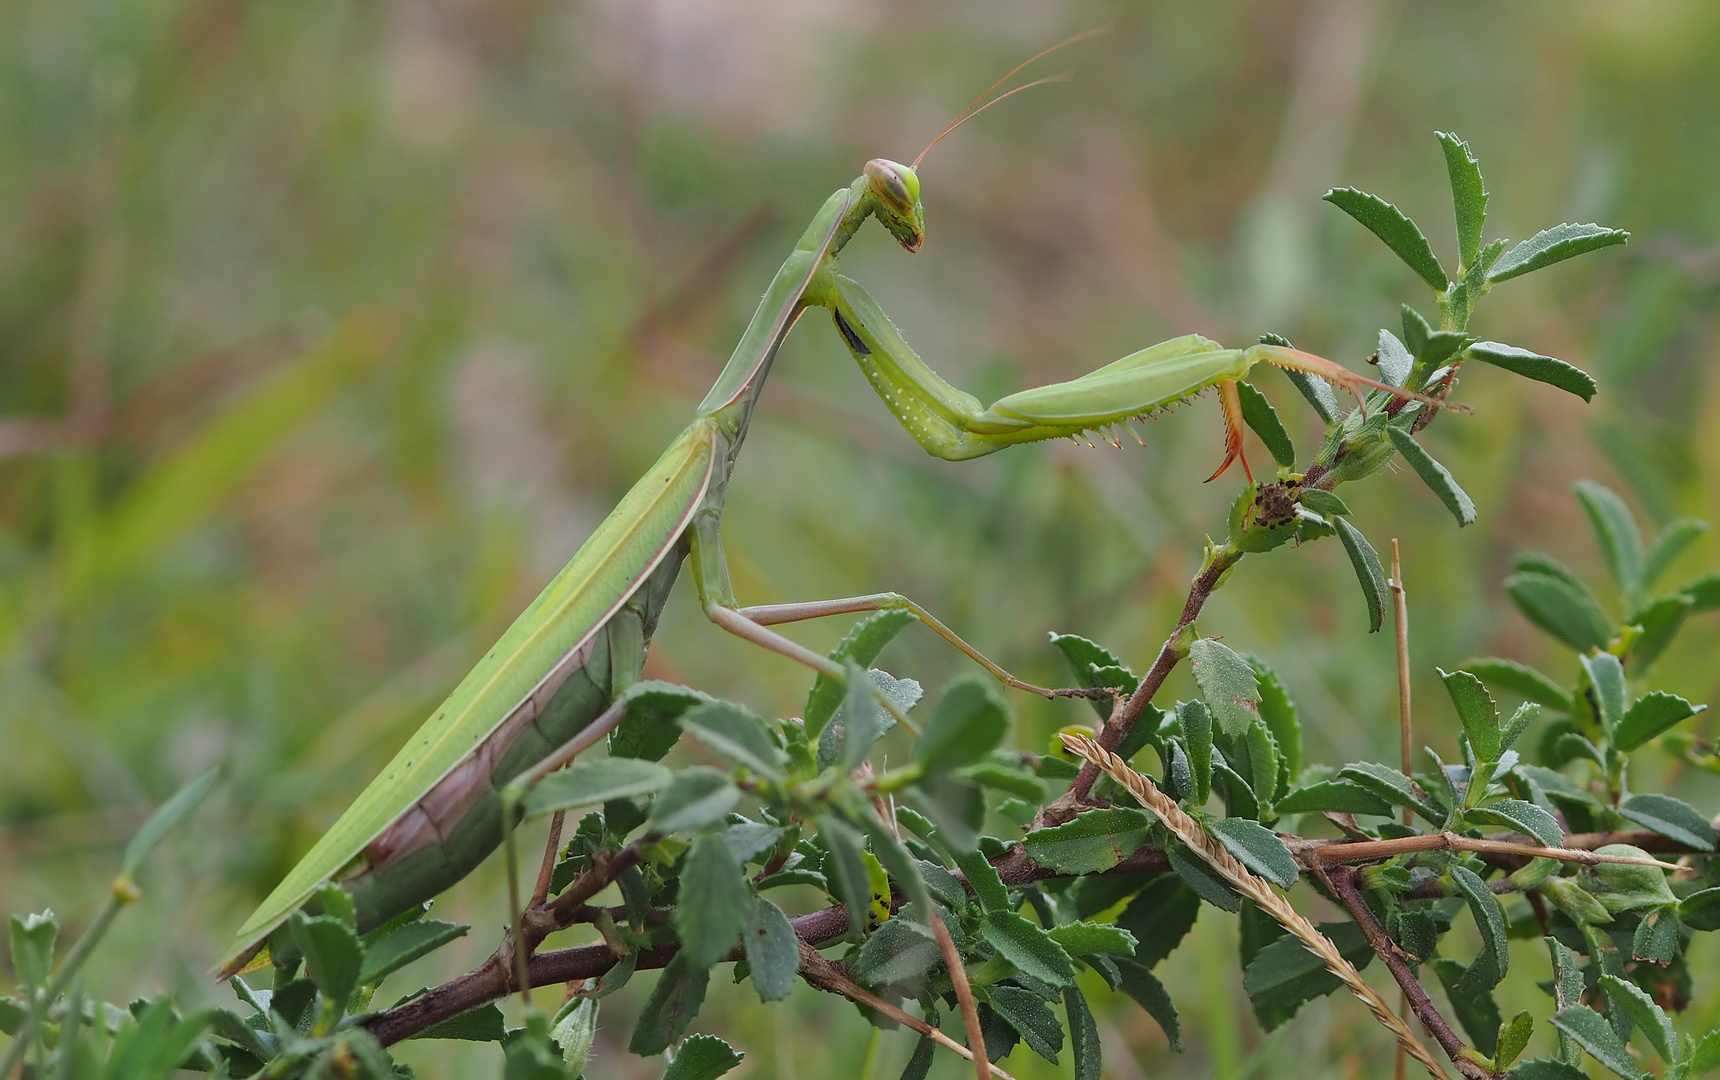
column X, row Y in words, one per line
column 1243, row 880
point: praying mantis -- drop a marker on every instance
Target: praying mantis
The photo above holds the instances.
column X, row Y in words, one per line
column 553, row 684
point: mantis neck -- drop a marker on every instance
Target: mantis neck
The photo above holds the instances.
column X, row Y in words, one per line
column 731, row 400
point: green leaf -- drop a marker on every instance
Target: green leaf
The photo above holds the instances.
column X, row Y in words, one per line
column 899, row 953
column 1196, row 723
column 1704, row 592
column 1159, row 918
column 1438, row 479
column 1199, row 876
column 166, row 816
column 1656, row 938
column 1279, row 714
column 1257, row 848
column 773, row 951
column 846, row 869
column 1392, row 786
column 1524, row 817
column 1706, row 1056
column 1513, row 1040
column 588, row 782
column 1567, row 612
column 862, row 723
column 1083, row 1035
column 1369, row 573
column 1028, row 1014
column 1260, row 416
column 482, row 1024
column 403, row 945
column 1518, row 724
column 702, row 1057
column 1475, row 1009
column 1094, row 666
column 674, row 1001
column 1228, row 684
column 967, row 723
column 1532, row 365
column 861, row 646
column 574, row 1029
column 332, row 953
column 1553, row 245
column 1650, row 716
column 1519, row 679
column 1626, row 886
column 1547, row 1069
column 1149, row 993
column 650, row 727
column 32, row 940
column 1606, row 677
column 1028, row 947
column 1668, row 546
column 982, row 878
column 1093, row 939
column 1589, row 1030
column 1475, row 708
column 1701, row 910
column 1325, row 503
column 1615, row 528
column 1333, row 796
column 1395, row 362
column 1397, row 231
column 1284, row 975
column 717, row 902
column 1494, row 959
column 1092, row 843
column 1568, row 986
column 1672, row 818
column 1659, row 620
column 697, row 797
column 737, row 735
column 1468, row 195
column 920, row 1062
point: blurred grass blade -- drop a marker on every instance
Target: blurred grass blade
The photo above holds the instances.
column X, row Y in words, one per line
column 166, row 816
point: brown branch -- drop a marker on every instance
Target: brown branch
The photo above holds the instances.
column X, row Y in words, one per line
column 1371, row 850
column 1123, row 718
column 1341, row 883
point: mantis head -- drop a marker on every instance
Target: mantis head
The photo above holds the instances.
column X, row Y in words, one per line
column 896, row 193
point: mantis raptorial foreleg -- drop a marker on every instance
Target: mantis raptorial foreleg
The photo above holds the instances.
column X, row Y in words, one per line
column 952, row 424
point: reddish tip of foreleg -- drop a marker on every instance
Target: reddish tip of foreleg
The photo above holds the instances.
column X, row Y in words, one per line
column 1230, row 404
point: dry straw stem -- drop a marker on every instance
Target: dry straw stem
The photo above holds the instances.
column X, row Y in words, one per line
column 1189, row 832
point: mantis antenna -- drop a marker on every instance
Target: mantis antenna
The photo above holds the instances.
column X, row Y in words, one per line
column 974, row 108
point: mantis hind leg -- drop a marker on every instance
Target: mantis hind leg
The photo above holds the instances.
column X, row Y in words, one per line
column 774, row 614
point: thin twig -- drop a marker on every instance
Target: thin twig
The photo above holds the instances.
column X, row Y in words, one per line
column 1400, row 620
column 824, row 975
column 1190, row 833
column 1341, row 883
column 964, row 997
column 550, row 851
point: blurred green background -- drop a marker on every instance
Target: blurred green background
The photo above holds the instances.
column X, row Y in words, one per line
column 329, row 330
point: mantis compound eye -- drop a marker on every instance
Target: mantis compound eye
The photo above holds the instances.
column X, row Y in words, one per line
column 895, row 183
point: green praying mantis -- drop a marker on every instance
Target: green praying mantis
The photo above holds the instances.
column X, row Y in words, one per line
column 553, row 684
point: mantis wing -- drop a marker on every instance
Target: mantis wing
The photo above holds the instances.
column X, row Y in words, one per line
column 632, row 541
